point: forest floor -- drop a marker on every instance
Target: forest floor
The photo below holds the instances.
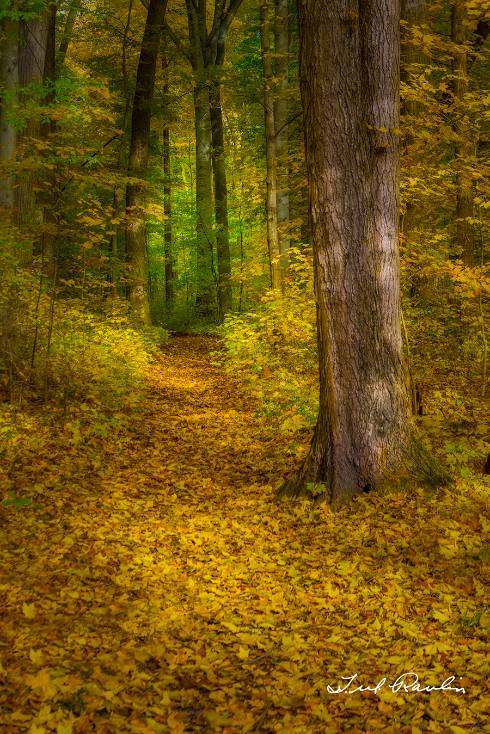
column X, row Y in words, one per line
column 157, row 586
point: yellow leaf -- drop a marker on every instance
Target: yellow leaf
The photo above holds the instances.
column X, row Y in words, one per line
column 175, row 725
column 243, row 652
column 29, row 610
column 441, row 616
column 35, row 729
column 36, row 656
column 230, row 626
column 42, row 681
column 64, row 729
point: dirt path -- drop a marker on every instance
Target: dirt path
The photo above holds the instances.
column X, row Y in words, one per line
column 170, row 593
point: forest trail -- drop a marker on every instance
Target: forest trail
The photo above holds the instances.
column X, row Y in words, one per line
column 168, row 592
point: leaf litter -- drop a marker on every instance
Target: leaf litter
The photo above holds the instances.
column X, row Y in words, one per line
column 162, row 588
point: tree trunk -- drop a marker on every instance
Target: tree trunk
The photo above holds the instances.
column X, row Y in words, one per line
column 117, row 246
column 136, row 257
column 220, row 201
column 349, row 84
column 413, row 13
column 167, row 207
column 73, row 11
column 33, row 47
column 205, row 55
column 50, row 198
column 465, row 233
column 9, row 82
column 281, row 111
column 271, row 152
column 206, row 287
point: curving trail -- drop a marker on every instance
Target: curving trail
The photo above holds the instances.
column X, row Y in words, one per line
column 166, row 591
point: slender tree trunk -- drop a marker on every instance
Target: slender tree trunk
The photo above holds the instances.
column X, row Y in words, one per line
column 413, row 13
column 50, row 198
column 465, row 232
column 73, row 11
column 271, row 153
column 349, row 84
column 206, row 287
column 9, row 82
column 136, row 257
column 206, row 55
column 118, row 238
column 281, row 112
column 220, row 198
column 167, row 207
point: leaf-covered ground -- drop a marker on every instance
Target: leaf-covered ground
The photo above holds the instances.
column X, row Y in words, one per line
column 161, row 588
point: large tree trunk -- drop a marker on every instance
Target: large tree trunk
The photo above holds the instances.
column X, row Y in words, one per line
column 136, row 256
column 220, row 198
column 349, row 85
column 271, row 152
column 281, row 111
column 9, row 82
column 465, row 233
column 33, row 47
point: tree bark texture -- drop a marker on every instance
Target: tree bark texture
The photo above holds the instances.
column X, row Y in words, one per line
column 9, row 82
column 281, row 111
column 136, row 256
column 33, row 48
column 349, row 62
column 271, row 152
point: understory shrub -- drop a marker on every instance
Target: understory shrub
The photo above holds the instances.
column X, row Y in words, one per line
column 274, row 350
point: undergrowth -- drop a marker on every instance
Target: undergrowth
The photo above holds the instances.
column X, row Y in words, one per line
column 67, row 369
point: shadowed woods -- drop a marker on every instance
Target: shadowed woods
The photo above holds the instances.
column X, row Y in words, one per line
column 169, row 592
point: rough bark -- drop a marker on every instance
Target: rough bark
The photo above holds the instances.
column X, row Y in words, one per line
column 281, row 111
column 349, row 64
column 9, row 82
column 136, row 257
column 33, row 47
column 271, row 152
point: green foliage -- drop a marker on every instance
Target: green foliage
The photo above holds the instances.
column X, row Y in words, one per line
column 67, row 351
column 274, row 350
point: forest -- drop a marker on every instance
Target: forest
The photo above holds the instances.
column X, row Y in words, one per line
column 244, row 356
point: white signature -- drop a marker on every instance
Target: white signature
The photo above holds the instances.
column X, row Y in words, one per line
column 406, row 683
